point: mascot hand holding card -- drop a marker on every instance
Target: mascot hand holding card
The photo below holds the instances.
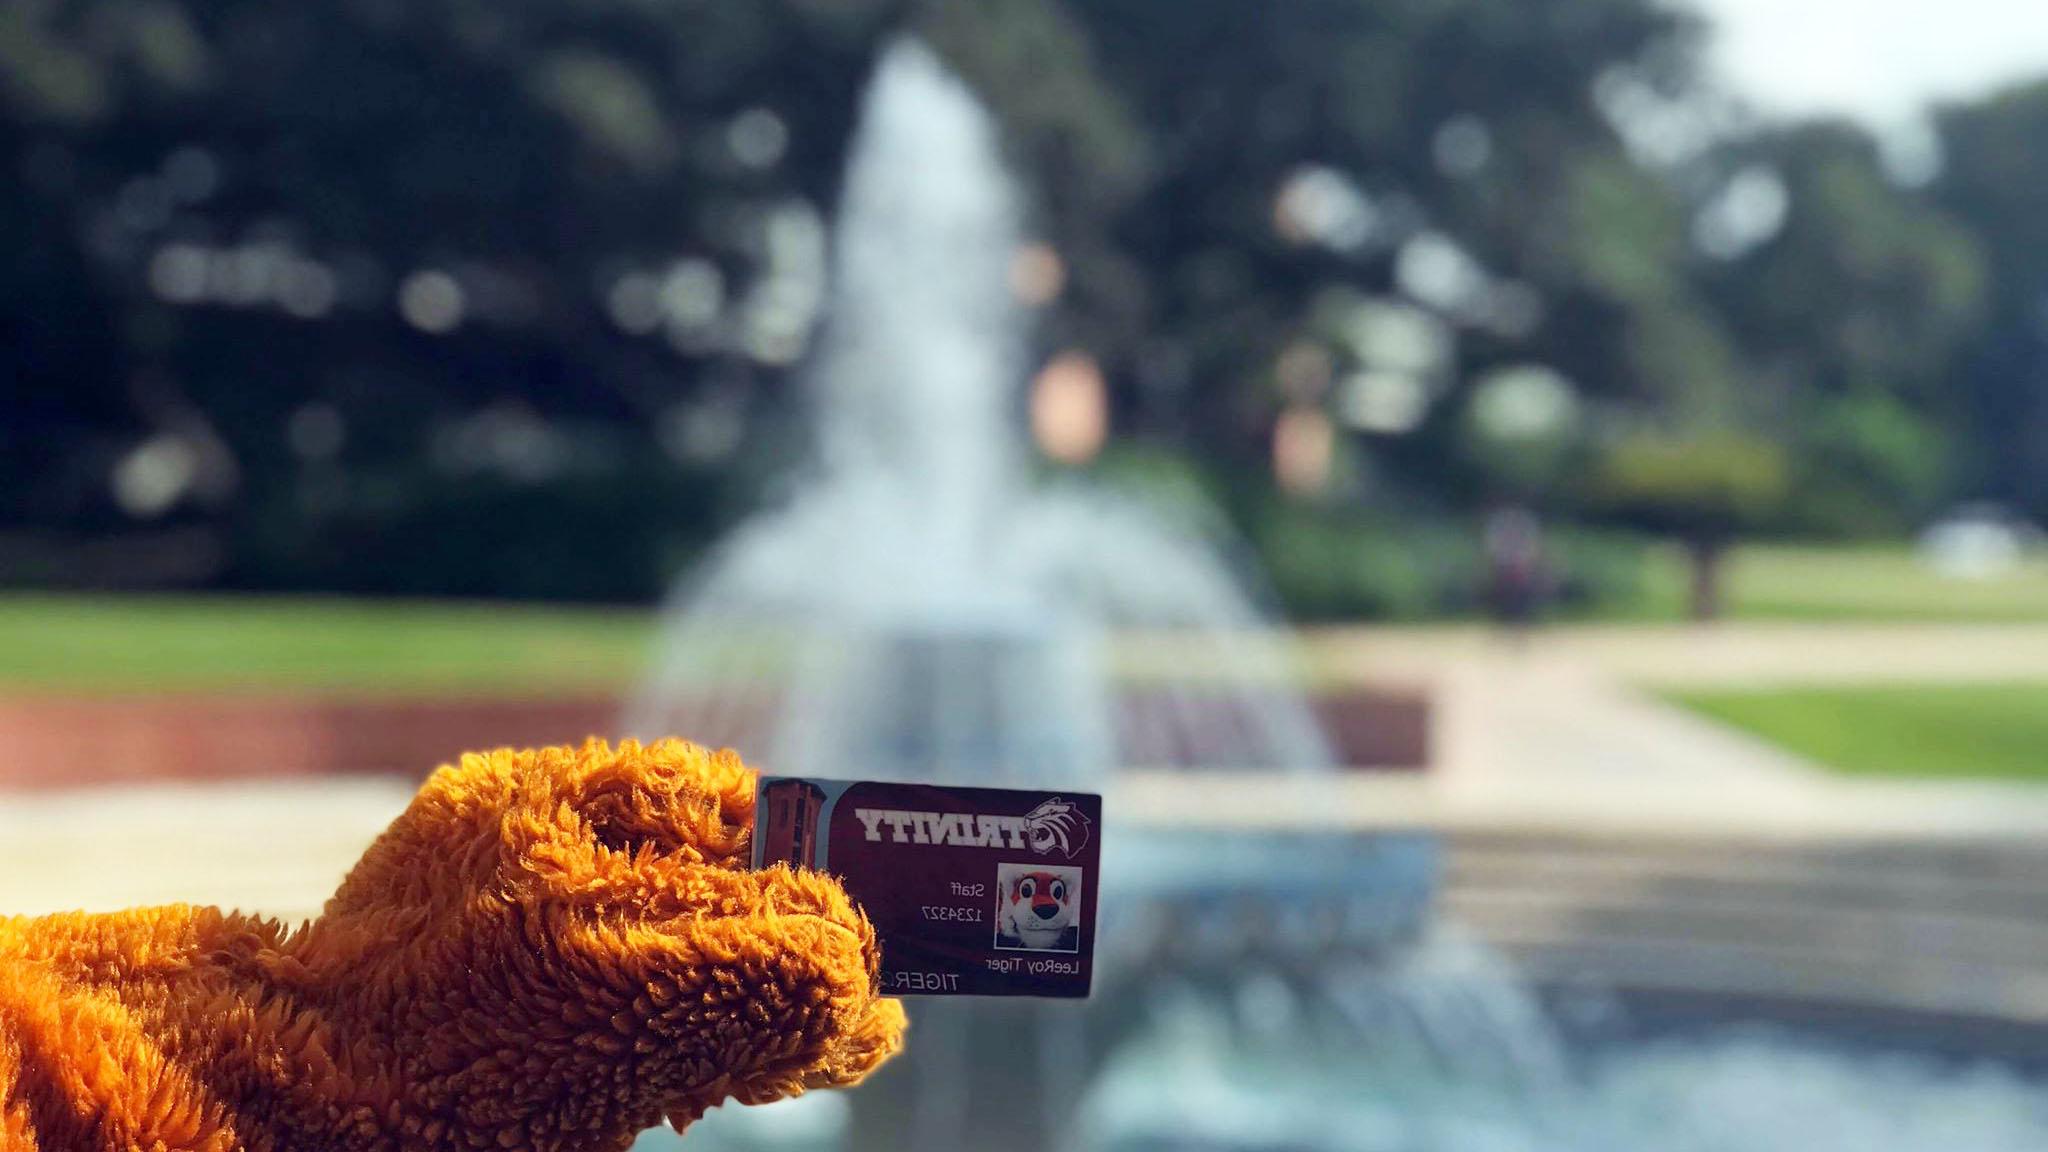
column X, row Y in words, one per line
column 548, row 950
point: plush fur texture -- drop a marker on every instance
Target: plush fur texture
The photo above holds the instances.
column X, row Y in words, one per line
column 548, row 950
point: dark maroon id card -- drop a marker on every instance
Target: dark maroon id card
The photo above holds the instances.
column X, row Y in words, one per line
column 975, row 891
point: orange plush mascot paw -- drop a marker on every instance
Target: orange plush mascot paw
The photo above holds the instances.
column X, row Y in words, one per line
column 549, row 950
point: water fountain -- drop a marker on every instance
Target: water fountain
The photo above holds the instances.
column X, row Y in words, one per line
column 919, row 608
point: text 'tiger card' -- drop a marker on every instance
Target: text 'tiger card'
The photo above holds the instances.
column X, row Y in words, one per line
column 974, row 891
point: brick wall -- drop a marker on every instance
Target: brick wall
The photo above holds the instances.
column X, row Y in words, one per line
column 55, row 742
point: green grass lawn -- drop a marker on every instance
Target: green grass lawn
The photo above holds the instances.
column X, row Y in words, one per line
column 117, row 643
column 1783, row 582
column 1928, row 730
column 171, row 642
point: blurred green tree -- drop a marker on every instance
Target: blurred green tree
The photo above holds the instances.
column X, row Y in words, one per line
column 1453, row 154
column 1847, row 297
column 1995, row 167
column 301, row 293
column 1701, row 488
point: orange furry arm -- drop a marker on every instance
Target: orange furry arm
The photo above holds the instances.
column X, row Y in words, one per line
column 548, row 950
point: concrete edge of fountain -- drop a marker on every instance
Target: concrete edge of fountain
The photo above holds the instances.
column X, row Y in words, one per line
column 1835, row 811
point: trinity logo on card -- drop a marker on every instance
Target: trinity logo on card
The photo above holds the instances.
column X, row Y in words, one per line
column 1056, row 825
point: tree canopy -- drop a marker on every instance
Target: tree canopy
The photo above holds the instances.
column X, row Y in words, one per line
column 445, row 296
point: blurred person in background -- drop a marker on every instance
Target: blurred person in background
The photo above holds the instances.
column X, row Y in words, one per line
column 1518, row 574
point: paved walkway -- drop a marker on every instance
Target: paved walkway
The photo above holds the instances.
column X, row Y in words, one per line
column 279, row 849
column 1560, row 731
column 1686, row 655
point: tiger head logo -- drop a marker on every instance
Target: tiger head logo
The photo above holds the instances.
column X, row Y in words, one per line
column 1056, row 825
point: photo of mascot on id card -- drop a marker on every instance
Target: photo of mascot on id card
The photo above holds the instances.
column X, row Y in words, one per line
column 1038, row 908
